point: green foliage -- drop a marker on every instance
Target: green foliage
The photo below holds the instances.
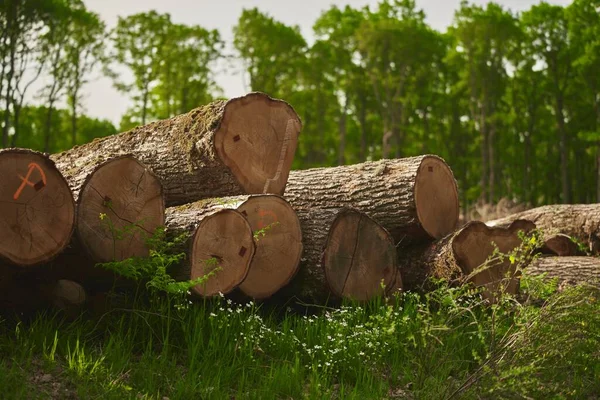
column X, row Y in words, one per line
column 272, row 52
column 445, row 343
column 32, row 128
column 263, row 232
column 493, row 95
column 154, row 271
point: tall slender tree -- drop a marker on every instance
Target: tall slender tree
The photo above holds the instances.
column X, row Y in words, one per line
column 547, row 32
column 84, row 50
column 138, row 44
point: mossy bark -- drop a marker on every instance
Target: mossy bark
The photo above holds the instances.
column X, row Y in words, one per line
column 195, row 154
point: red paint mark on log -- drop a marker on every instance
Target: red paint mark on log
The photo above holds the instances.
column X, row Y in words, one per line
column 430, row 169
column 25, row 180
column 242, row 251
column 262, row 214
column 236, row 138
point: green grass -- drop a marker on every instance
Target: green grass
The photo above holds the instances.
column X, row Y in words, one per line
column 447, row 344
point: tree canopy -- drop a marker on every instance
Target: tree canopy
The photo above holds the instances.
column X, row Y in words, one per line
column 510, row 100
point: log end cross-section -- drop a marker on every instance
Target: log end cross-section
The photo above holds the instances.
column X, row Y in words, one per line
column 474, row 246
column 278, row 245
column 223, row 245
column 257, row 139
column 121, row 204
column 37, row 211
column 436, row 197
column 359, row 258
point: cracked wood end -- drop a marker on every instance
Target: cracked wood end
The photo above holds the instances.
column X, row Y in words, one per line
column 118, row 195
column 359, row 257
column 37, row 211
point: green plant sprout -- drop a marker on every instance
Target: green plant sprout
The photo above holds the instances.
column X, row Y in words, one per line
column 260, row 233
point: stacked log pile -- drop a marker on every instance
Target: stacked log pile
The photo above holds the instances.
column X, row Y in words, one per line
column 222, row 175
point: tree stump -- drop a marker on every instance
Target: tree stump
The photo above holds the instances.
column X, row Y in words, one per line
column 37, row 212
column 465, row 256
column 579, row 221
column 221, row 243
column 414, row 198
column 242, row 146
column 347, row 255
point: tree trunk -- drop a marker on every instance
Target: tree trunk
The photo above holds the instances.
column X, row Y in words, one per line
column 362, row 118
column 119, row 205
column 144, row 103
column 241, row 146
column 346, row 255
column 413, row 198
column 74, row 114
column 564, row 150
column 37, row 215
column 48, row 128
column 568, row 270
column 221, row 246
column 277, row 235
column 580, row 221
column 491, row 142
column 597, row 112
column 598, row 172
column 466, row 255
column 484, row 155
column 343, row 129
column 8, row 98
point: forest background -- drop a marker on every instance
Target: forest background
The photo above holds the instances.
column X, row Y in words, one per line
column 510, row 100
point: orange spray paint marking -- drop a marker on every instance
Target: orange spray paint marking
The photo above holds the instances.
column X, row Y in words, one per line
column 25, row 181
column 262, row 213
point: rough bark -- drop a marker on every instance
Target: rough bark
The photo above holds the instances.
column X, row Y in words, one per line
column 241, row 146
column 277, row 234
column 568, row 270
column 466, row 256
column 120, row 204
column 414, row 198
column 580, row 221
column 221, row 243
column 37, row 212
column 346, row 255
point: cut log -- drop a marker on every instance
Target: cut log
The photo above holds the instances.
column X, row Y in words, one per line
column 568, row 270
column 278, row 245
column 37, row 212
column 221, row 244
column 347, row 255
column 278, row 239
column 414, row 198
column 242, row 146
column 580, row 221
column 466, row 256
column 119, row 206
column 561, row 245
